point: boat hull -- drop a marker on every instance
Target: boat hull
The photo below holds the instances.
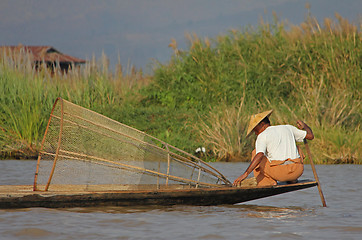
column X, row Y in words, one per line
column 24, row 197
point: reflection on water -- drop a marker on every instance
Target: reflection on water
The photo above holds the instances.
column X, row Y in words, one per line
column 276, row 212
column 244, row 210
column 34, row 233
column 296, row 215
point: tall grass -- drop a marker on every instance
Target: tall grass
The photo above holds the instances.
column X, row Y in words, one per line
column 206, row 93
column 223, row 133
column 27, row 96
column 311, row 72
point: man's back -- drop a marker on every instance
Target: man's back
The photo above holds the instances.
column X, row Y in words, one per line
column 278, row 142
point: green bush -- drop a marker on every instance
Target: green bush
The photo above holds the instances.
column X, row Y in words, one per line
column 206, row 93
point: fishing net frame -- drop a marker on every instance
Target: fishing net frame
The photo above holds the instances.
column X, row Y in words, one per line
column 89, row 151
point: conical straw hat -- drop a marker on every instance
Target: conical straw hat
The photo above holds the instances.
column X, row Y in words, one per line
column 256, row 119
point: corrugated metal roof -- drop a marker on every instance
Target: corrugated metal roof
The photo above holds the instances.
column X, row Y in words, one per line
column 43, row 53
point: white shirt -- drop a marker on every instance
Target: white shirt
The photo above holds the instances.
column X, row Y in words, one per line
column 278, row 142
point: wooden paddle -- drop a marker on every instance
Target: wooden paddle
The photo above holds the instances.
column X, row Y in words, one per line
column 315, row 173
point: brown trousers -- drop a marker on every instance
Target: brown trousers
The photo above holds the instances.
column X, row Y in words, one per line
column 268, row 173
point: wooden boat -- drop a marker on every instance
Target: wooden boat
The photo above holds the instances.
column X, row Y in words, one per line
column 87, row 159
column 67, row 197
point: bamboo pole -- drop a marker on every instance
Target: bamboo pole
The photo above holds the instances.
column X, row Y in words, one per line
column 42, row 147
column 158, row 177
column 315, row 173
column 59, row 144
column 199, row 175
column 168, row 164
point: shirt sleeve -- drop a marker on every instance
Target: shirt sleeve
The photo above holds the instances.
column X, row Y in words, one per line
column 260, row 144
column 299, row 135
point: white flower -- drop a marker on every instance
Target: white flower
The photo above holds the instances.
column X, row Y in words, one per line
column 202, row 149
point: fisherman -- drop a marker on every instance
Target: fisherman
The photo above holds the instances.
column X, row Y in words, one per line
column 276, row 156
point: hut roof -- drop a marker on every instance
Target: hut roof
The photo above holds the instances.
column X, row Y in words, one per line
column 43, row 53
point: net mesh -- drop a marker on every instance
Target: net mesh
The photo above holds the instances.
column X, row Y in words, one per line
column 89, row 151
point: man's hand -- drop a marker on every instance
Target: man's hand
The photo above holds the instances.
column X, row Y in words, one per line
column 300, row 124
column 254, row 163
column 303, row 125
column 240, row 179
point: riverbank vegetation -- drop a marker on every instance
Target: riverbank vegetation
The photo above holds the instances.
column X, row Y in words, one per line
column 204, row 95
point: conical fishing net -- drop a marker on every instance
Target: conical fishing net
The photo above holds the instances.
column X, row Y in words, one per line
column 84, row 150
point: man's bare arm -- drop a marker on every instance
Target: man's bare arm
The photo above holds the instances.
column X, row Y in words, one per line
column 254, row 163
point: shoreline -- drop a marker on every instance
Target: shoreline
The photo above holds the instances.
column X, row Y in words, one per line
column 334, row 162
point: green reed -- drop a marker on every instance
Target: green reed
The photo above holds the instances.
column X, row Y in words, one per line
column 206, row 93
column 309, row 72
column 27, row 96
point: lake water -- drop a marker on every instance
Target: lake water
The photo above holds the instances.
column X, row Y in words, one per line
column 295, row 215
